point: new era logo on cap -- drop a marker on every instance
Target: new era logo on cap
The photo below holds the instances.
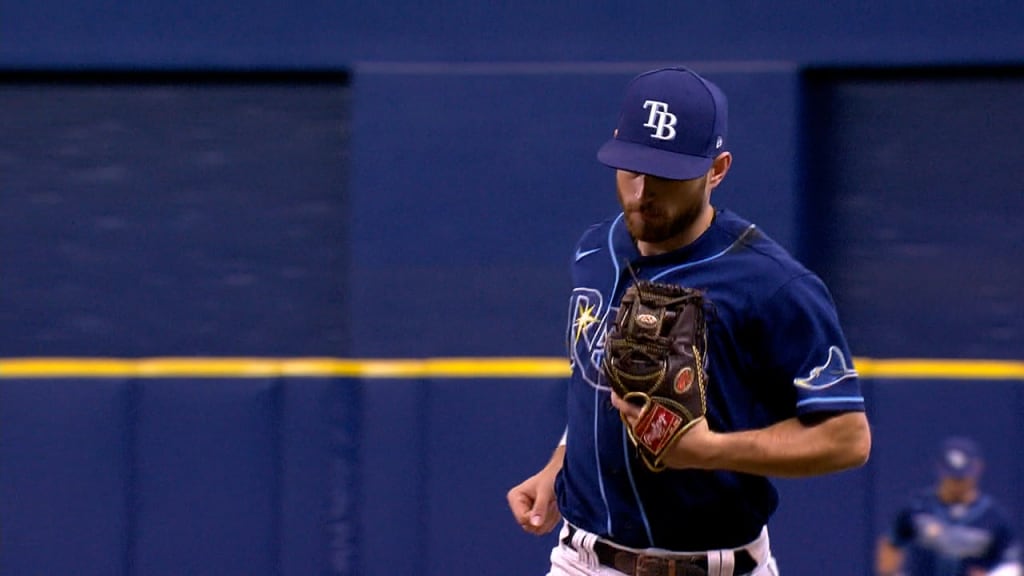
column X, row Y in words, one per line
column 960, row 458
column 672, row 125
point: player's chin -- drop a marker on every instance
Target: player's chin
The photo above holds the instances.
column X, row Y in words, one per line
column 644, row 228
column 650, row 226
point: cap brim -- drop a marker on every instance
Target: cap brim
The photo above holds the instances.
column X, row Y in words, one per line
column 970, row 470
column 960, row 474
column 634, row 157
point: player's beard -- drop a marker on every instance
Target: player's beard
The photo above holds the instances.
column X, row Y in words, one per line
column 656, row 223
column 655, row 226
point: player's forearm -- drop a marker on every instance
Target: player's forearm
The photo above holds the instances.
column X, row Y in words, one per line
column 793, row 449
column 554, row 465
column 888, row 558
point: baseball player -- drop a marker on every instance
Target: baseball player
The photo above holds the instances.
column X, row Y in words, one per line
column 951, row 529
column 782, row 399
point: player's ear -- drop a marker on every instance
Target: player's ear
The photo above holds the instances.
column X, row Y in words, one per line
column 719, row 168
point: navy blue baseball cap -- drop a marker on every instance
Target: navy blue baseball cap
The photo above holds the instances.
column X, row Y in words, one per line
column 672, row 125
column 960, row 458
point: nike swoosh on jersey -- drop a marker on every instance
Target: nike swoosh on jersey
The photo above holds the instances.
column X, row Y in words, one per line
column 581, row 254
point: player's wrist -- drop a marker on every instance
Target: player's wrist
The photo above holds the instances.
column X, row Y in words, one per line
column 713, row 452
column 698, row 448
column 554, row 465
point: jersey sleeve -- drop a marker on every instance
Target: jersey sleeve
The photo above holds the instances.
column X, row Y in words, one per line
column 806, row 346
column 1006, row 548
column 901, row 532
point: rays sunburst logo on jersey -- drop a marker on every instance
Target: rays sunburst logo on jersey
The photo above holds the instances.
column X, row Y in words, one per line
column 587, row 326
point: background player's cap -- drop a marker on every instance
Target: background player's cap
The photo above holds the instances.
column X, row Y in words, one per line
column 672, row 125
column 960, row 458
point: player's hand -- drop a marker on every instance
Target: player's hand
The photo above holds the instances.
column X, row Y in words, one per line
column 630, row 412
column 534, row 505
column 691, row 450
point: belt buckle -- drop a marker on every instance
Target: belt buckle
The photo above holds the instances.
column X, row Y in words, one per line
column 657, row 566
column 649, row 566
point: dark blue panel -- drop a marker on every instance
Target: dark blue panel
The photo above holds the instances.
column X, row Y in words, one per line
column 1015, row 437
column 479, row 168
column 319, row 492
column 821, row 521
column 484, row 184
column 208, row 478
column 392, row 478
column 173, row 219
column 916, row 207
column 483, row 438
column 911, row 418
column 65, row 476
column 763, row 136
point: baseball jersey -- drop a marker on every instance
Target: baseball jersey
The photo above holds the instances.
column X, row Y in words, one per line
column 775, row 351
column 943, row 540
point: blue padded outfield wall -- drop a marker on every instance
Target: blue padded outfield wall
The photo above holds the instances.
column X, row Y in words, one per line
column 283, row 285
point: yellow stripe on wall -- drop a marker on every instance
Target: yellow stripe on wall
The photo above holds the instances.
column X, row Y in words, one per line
column 940, row 369
column 271, row 367
column 432, row 368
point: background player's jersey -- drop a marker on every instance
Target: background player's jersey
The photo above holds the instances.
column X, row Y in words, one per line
column 943, row 540
column 775, row 351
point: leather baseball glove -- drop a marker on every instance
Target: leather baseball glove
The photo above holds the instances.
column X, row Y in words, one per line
column 654, row 358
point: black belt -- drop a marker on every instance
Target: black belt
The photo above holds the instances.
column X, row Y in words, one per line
column 636, row 564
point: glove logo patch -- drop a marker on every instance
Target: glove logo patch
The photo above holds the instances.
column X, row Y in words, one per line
column 647, row 320
column 657, row 427
column 684, row 380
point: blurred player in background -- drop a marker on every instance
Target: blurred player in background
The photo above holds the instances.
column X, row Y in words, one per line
column 953, row 528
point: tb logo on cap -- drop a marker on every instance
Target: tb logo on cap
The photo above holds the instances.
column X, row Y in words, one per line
column 661, row 120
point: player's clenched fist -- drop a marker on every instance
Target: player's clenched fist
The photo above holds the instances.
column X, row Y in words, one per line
column 533, row 502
